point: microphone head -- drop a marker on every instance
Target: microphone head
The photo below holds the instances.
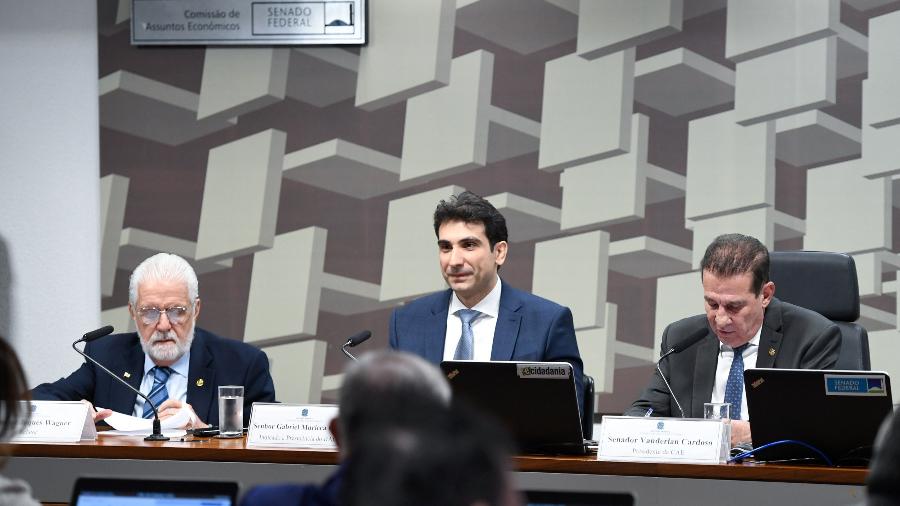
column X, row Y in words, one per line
column 97, row 334
column 359, row 338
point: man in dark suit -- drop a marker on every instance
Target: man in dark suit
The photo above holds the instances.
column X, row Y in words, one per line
column 169, row 359
column 481, row 317
column 743, row 319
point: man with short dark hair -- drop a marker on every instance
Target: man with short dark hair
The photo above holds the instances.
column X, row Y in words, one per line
column 743, row 319
column 481, row 317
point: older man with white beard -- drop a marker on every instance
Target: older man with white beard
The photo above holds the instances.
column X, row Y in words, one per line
column 170, row 360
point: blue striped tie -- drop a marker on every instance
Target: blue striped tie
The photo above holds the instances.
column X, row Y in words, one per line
column 466, row 346
column 158, row 393
column 734, row 388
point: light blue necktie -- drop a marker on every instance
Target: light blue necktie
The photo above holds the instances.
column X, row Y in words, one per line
column 466, row 346
column 734, row 388
column 158, row 393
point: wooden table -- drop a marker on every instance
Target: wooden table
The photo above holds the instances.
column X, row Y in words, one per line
column 52, row 469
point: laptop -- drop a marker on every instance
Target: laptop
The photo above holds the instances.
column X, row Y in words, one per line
column 837, row 412
column 536, row 401
column 150, row 492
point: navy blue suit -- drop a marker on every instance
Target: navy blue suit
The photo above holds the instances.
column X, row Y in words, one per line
column 214, row 361
column 529, row 328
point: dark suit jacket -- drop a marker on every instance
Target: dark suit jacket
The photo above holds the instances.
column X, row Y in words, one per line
column 792, row 338
column 214, row 361
column 529, row 328
column 299, row 494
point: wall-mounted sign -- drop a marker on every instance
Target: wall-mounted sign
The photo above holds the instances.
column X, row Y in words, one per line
column 247, row 22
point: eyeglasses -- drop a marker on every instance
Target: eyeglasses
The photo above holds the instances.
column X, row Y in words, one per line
column 151, row 315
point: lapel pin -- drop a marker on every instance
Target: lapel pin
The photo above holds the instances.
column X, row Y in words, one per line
column 126, row 374
column 200, row 380
column 771, row 352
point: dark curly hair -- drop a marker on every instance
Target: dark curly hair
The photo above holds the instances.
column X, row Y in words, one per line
column 471, row 208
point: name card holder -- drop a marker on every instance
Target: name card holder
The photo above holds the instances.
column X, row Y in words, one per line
column 57, row 422
column 291, row 425
column 677, row 440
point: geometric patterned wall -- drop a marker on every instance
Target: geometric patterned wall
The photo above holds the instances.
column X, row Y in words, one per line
column 617, row 137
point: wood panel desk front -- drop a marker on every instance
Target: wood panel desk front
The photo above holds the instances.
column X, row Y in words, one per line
column 51, row 469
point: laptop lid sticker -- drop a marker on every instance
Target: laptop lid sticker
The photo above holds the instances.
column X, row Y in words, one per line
column 542, row 371
column 869, row 385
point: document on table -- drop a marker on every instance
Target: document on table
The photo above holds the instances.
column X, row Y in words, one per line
column 127, row 425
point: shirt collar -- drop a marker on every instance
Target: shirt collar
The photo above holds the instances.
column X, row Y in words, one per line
column 180, row 366
column 752, row 342
column 489, row 305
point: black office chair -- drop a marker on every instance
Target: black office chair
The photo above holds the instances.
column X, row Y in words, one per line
column 587, row 416
column 825, row 283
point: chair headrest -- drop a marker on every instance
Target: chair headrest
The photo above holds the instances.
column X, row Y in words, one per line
column 822, row 281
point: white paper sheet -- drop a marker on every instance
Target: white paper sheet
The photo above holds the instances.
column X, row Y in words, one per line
column 123, row 423
column 170, row 433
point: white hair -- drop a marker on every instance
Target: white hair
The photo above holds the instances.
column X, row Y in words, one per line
column 164, row 267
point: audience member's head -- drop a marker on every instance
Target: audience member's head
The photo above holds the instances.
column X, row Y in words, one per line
column 13, row 388
column 452, row 458
column 883, row 482
column 387, row 388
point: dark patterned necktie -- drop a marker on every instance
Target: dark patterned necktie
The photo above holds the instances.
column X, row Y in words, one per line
column 158, row 393
column 734, row 388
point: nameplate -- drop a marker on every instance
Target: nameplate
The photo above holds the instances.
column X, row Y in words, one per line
column 679, row 440
column 58, row 422
column 291, row 425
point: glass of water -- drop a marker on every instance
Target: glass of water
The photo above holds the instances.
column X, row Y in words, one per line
column 231, row 411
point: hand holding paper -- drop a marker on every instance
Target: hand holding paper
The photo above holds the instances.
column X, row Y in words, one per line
column 173, row 407
column 97, row 414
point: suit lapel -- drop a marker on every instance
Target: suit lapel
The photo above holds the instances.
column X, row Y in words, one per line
column 508, row 323
column 707, row 360
column 770, row 337
column 131, row 369
column 201, row 377
column 434, row 330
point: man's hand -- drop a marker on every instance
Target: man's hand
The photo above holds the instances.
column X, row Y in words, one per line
column 97, row 416
column 173, row 406
column 740, row 432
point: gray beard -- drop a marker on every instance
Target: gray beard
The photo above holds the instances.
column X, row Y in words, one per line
column 169, row 352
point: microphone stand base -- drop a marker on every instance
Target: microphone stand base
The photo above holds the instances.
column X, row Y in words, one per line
column 156, row 437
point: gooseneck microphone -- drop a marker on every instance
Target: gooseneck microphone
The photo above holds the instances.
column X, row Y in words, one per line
column 678, row 348
column 105, row 331
column 354, row 340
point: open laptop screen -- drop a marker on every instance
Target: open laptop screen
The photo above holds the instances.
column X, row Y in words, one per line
column 837, row 412
column 145, row 492
column 536, row 401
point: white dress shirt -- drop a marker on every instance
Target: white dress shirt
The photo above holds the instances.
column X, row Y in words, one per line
column 726, row 356
column 176, row 385
column 482, row 327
